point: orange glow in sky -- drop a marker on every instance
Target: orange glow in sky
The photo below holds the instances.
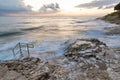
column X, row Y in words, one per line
column 65, row 5
column 67, row 8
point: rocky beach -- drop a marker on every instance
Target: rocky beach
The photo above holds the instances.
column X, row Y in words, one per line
column 59, row 39
column 82, row 59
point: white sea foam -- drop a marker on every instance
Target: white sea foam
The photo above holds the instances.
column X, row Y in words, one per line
column 50, row 35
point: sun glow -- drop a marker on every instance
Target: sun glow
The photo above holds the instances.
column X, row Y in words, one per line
column 65, row 5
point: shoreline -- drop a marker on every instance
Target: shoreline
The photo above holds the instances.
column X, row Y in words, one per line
column 113, row 18
column 113, row 30
column 78, row 62
column 68, row 67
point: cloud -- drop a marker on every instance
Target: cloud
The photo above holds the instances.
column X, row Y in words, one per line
column 12, row 6
column 17, row 6
column 100, row 4
column 50, row 8
column 7, row 11
column 110, row 6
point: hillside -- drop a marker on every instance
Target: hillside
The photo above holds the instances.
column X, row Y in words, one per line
column 112, row 18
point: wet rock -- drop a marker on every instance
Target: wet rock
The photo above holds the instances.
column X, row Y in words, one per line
column 90, row 52
column 88, row 63
column 94, row 59
column 86, row 48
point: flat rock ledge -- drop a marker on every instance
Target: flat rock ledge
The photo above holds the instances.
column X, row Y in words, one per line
column 28, row 69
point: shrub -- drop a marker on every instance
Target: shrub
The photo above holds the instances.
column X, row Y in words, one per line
column 117, row 7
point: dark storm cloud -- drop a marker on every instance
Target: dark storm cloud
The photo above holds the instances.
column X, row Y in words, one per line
column 100, row 4
column 50, row 8
column 12, row 6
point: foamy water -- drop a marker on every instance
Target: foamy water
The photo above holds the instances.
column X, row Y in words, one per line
column 50, row 34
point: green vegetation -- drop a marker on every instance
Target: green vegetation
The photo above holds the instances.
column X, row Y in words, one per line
column 117, row 14
column 117, row 7
column 112, row 17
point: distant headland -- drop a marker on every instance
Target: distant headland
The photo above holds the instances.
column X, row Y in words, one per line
column 113, row 17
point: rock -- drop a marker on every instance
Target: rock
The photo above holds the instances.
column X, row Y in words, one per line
column 10, row 75
column 113, row 30
column 87, row 64
column 94, row 58
column 42, row 76
column 112, row 18
column 27, row 69
column 2, row 72
column 91, row 52
column 86, row 48
column 96, row 74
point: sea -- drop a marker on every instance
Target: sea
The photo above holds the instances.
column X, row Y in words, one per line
column 49, row 35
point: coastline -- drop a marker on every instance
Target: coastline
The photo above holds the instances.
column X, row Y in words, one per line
column 113, row 18
column 68, row 67
column 113, row 30
column 83, row 59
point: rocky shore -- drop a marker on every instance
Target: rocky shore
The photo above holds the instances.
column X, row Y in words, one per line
column 29, row 69
column 112, row 18
column 84, row 59
column 113, row 30
column 95, row 55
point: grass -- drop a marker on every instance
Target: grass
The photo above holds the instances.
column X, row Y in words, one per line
column 114, row 14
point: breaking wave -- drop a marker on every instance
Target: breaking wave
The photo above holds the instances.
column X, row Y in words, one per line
column 4, row 34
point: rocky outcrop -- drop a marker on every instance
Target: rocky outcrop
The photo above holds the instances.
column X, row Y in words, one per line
column 28, row 69
column 86, row 49
column 113, row 30
column 95, row 59
column 85, row 59
column 112, row 18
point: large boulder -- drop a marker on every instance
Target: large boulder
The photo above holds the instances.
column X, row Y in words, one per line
column 83, row 49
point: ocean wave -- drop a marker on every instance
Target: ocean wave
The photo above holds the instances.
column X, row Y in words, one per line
column 84, row 21
column 32, row 28
column 4, row 34
column 29, row 29
column 24, row 22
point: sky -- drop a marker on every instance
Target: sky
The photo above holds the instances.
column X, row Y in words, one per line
column 56, row 7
